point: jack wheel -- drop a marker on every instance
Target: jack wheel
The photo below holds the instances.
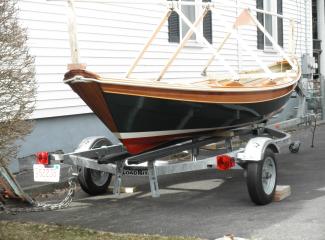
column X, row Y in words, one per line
column 294, row 147
column 262, row 179
column 92, row 181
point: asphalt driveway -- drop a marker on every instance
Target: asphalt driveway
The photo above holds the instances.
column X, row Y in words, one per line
column 210, row 204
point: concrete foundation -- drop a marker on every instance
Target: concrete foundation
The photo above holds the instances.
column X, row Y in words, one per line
column 58, row 134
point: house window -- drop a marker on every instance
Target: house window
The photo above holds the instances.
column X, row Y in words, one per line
column 177, row 28
column 273, row 24
column 190, row 12
column 270, row 21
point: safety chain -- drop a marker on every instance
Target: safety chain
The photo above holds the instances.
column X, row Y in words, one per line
column 45, row 206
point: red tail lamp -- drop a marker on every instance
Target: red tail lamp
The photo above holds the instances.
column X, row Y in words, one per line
column 225, row 162
column 42, row 158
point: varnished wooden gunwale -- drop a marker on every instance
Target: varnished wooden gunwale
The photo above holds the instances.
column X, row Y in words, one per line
column 219, row 95
column 197, row 96
column 206, row 92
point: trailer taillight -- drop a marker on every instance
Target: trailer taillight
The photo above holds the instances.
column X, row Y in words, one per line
column 42, row 158
column 225, row 162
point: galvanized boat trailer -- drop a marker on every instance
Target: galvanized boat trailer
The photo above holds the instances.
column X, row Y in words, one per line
column 97, row 160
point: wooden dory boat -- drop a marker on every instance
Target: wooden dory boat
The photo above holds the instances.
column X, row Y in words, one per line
column 144, row 114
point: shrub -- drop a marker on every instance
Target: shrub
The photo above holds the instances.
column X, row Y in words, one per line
column 17, row 82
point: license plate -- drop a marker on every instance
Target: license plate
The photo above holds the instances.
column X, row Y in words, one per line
column 48, row 173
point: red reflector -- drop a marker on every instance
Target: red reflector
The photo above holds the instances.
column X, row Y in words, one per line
column 225, row 162
column 42, row 158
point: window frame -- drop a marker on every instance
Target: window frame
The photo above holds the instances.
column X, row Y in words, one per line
column 278, row 32
column 274, row 7
column 198, row 12
column 175, row 31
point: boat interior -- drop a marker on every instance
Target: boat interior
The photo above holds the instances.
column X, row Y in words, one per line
column 278, row 75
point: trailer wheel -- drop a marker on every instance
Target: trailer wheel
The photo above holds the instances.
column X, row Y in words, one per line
column 262, row 179
column 92, row 181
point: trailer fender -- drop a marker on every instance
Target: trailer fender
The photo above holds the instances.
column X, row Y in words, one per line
column 87, row 142
column 255, row 148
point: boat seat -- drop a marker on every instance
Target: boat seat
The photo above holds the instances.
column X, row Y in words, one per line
column 232, row 84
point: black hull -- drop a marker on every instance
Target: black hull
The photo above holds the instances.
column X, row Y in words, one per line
column 148, row 121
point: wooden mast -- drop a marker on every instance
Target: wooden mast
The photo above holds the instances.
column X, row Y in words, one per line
column 73, row 40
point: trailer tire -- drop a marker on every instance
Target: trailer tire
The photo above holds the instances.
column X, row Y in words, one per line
column 92, row 181
column 262, row 179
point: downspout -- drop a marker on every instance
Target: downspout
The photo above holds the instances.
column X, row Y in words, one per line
column 321, row 33
column 321, row 36
column 302, row 109
column 306, row 35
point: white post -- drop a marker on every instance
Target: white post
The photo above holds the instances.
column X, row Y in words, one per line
column 150, row 40
column 73, row 33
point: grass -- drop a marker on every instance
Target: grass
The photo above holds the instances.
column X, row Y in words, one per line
column 37, row 231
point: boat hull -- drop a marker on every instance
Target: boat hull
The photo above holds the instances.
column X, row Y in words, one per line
column 143, row 122
column 144, row 117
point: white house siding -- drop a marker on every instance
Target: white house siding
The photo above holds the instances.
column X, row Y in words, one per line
column 110, row 36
